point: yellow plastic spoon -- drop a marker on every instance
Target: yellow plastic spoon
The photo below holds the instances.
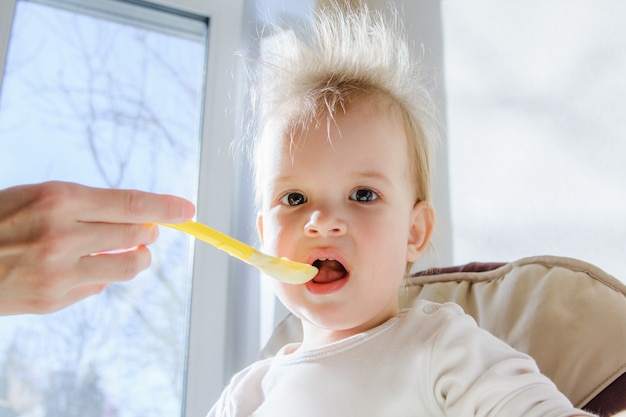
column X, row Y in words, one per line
column 282, row 269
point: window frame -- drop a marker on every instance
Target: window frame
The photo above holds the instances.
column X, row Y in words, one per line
column 7, row 10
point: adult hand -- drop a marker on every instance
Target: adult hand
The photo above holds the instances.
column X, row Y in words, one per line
column 62, row 242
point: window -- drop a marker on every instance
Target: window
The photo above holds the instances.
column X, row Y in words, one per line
column 535, row 94
column 114, row 94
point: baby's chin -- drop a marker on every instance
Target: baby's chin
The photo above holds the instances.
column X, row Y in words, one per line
column 325, row 327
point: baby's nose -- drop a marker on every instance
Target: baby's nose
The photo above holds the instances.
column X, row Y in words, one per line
column 324, row 224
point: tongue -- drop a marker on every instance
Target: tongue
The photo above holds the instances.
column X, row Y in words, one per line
column 329, row 271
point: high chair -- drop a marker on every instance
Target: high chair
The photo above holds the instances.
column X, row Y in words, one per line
column 568, row 315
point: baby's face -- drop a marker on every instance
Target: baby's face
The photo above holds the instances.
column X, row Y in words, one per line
column 341, row 198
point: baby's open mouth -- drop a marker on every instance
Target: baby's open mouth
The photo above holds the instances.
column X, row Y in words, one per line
column 330, row 270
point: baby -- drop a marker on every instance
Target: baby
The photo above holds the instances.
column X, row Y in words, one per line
column 342, row 182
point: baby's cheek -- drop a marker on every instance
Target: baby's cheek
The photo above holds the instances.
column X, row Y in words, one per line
column 280, row 237
column 272, row 242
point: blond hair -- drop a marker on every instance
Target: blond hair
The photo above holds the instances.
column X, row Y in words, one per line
column 350, row 52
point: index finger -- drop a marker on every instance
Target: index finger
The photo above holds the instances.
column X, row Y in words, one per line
column 132, row 206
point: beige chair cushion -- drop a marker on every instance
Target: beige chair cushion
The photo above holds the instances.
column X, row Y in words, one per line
column 568, row 315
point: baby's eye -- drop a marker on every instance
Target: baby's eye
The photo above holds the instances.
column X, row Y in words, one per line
column 293, row 199
column 364, row 195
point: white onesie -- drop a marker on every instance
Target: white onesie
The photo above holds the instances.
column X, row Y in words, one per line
column 431, row 360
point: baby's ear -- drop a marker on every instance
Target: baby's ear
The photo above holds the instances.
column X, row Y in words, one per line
column 420, row 230
column 259, row 226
